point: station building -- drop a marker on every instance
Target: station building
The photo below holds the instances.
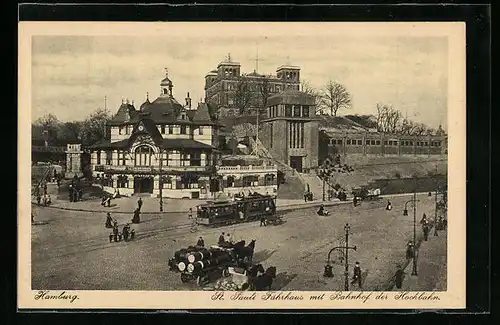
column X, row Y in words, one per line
column 161, row 147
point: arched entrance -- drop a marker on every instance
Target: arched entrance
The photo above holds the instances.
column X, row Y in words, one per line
column 143, row 184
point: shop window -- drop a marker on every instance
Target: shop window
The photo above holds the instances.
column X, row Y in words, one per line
column 163, row 129
column 288, row 110
column 360, row 142
column 200, row 130
column 367, row 142
column 269, row 179
column 348, row 141
column 185, row 159
column 170, row 129
column 98, row 162
column 183, row 129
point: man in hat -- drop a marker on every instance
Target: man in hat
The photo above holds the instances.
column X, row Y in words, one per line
column 389, row 206
column 201, row 242
column 355, row 200
column 409, row 250
column 399, row 277
column 356, row 277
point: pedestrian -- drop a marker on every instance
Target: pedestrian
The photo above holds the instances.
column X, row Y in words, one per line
column 241, row 215
column 109, row 221
column 356, row 277
column 45, row 200
column 139, row 204
column 80, row 194
column 222, row 239
column 49, row 200
column 355, row 200
column 137, row 217
column 410, row 250
column 38, row 198
column 58, row 180
column 45, row 188
column 399, row 277
column 201, row 242
column 190, row 213
column 389, row 206
column 263, row 221
column 306, row 195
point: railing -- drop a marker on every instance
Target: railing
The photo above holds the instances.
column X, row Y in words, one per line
column 246, row 168
column 149, row 169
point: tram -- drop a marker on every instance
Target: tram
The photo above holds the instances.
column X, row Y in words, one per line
column 253, row 207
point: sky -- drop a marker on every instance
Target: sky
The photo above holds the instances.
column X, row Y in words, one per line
column 71, row 75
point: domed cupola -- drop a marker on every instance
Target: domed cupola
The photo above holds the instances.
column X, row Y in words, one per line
column 145, row 104
column 166, row 85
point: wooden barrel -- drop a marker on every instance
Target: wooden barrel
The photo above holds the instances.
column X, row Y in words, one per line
column 197, row 266
column 181, row 266
column 199, row 255
column 180, row 254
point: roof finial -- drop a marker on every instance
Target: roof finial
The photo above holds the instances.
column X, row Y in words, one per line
column 122, row 100
column 147, row 96
column 166, row 72
column 229, row 57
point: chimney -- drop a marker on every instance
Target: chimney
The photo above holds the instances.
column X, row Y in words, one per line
column 188, row 101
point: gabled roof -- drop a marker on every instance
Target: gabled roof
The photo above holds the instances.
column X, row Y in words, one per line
column 125, row 113
column 148, row 127
column 202, row 115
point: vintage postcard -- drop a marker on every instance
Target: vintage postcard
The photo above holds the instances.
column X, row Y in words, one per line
column 228, row 165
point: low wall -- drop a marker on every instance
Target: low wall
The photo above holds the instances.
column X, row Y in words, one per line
column 408, row 185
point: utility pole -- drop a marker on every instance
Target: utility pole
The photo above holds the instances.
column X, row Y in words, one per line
column 324, row 187
column 346, row 273
column 414, row 271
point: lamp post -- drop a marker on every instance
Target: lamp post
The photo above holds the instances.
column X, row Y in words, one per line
column 344, row 250
column 160, row 182
column 435, row 204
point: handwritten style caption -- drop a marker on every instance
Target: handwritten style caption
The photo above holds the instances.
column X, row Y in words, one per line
column 338, row 296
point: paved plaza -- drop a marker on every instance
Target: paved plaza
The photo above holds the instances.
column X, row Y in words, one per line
column 71, row 250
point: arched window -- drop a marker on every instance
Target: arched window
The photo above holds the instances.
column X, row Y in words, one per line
column 143, row 156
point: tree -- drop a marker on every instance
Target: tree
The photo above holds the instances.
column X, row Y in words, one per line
column 45, row 128
column 94, row 127
column 388, row 119
column 264, row 91
column 334, row 96
column 242, row 97
column 70, row 132
column 310, row 90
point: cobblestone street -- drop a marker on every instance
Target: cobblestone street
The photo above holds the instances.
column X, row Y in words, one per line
column 70, row 250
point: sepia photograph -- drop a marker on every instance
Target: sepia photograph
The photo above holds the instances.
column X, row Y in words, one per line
column 258, row 159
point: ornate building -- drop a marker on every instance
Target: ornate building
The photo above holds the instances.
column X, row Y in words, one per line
column 223, row 86
column 161, row 147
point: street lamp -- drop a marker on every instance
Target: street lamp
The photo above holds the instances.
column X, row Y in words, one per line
column 328, row 272
column 160, row 182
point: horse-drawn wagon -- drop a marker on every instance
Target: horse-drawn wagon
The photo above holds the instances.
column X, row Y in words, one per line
column 364, row 193
column 203, row 264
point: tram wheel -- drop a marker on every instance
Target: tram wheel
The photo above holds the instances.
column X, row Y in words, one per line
column 225, row 273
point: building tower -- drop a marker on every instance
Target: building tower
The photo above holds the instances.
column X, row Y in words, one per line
column 166, row 86
column 290, row 131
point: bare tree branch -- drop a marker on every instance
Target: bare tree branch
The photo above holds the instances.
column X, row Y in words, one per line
column 334, row 97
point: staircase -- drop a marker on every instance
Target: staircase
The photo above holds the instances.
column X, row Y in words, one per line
column 315, row 185
column 294, row 185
